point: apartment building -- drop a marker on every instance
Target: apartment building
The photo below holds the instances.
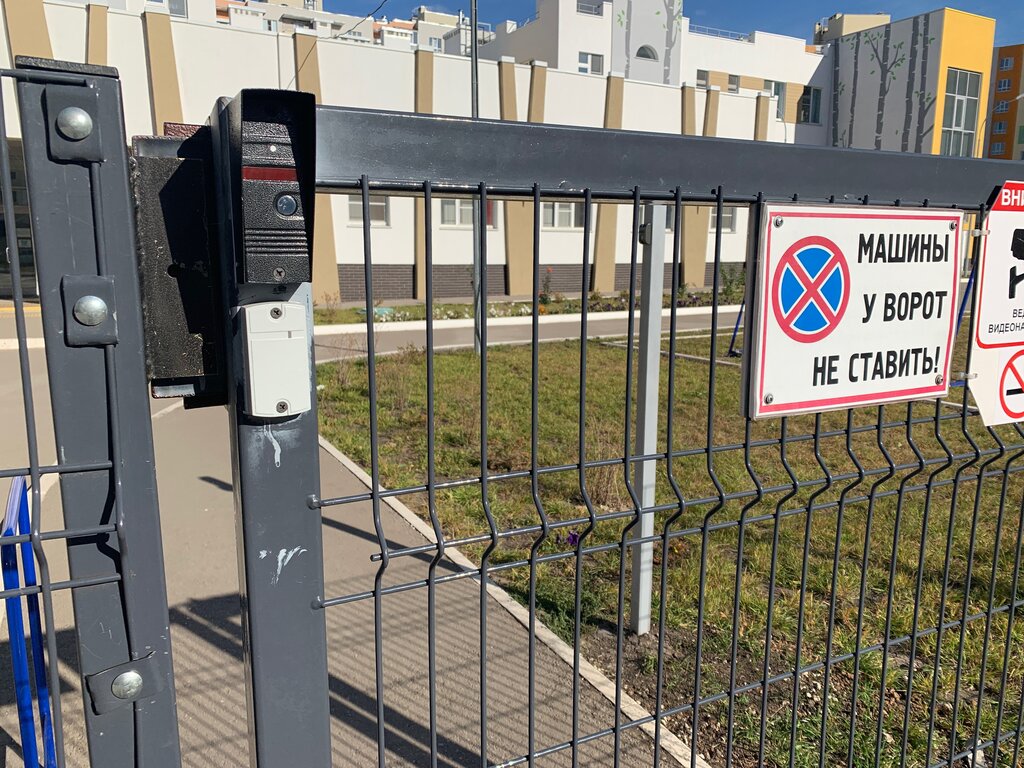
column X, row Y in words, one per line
column 754, row 86
column 1005, row 115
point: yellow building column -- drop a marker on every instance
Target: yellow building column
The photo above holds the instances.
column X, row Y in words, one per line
column 607, row 214
column 96, row 40
column 423, row 101
column 697, row 218
column 518, row 214
column 27, row 32
column 761, row 113
column 326, row 289
column 164, row 93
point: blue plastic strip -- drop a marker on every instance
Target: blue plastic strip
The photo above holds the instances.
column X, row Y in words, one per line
column 736, row 330
column 16, row 627
column 28, row 567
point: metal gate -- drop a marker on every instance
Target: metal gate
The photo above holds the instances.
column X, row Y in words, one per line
column 829, row 589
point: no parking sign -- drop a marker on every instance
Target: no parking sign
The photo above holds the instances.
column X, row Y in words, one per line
column 853, row 306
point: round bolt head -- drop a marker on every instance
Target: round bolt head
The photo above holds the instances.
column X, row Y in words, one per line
column 282, row 407
column 939, row 379
column 952, row 226
column 276, row 313
column 778, row 221
column 769, row 399
column 278, row 273
column 74, row 123
column 286, row 205
column 90, row 310
column 127, row 685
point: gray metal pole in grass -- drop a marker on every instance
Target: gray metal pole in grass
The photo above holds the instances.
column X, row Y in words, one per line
column 479, row 289
column 652, row 286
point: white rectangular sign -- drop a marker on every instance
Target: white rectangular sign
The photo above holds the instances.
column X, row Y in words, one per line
column 997, row 361
column 853, row 306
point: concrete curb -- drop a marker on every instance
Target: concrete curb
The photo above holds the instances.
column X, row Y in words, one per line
column 421, row 325
column 630, row 707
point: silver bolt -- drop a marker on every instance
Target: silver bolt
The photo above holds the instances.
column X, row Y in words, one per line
column 276, row 313
column 90, row 310
column 769, row 399
column 939, row 379
column 282, row 407
column 778, row 221
column 278, row 273
column 286, row 205
column 127, row 685
column 952, row 226
column 74, row 123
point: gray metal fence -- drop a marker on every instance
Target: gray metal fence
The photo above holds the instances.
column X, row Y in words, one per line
column 828, row 589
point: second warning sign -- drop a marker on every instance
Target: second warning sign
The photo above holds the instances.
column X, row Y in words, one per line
column 854, row 306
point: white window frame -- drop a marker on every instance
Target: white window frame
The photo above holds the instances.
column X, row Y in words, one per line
column 459, row 214
column 591, row 63
column 728, row 219
column 1002, row 107
column 961, row 112
column 1003, row 85
column 562, row 215
column 778, row 90
column 702, row 82
column 998, row 148
column 435, row 42
column 377, row 202
column 734, row 83
column 999, row 127
column 1006, row 63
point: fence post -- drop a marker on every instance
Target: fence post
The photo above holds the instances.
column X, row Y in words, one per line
column 264, row 157
column 652, row 286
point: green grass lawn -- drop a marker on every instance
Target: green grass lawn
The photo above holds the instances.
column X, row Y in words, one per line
column 781, row 543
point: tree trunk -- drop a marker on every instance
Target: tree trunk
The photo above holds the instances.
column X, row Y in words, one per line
column 853, row 90
column 905, row 138
column 883, row 85
column 629, row 36
column 923, row 104
column 671, row 33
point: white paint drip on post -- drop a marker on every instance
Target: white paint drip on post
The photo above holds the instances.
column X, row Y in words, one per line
column 652, row 286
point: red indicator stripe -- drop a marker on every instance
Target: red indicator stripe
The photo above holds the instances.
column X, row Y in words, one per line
column 265, row 173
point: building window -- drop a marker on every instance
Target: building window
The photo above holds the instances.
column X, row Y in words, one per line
column 459, row 213
column 702, row 78
column 380, row 210
column 1020, row 135
column 778, row 90
column 728, row 219
column 734, row 83
column 1003, row 85
column 960, row 117
column 434, row 42
column 590, row 9
column 270, row 25
column 562, row 215
column 999, row 127
column 591, row 63
column 178, row 7
column 1006, row 63
column 1002, row 107
column 809, row 110
column 647, row 52
column 998, row 148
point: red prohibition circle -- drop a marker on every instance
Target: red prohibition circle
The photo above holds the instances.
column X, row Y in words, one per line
column 1013, row 367
column 810, row 285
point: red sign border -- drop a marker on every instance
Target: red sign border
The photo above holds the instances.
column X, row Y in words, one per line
column 981, row 274
column 763, row 409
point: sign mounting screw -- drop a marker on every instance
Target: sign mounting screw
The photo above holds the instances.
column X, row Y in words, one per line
column 769, row 399
column 282, row 406
column 778, row 221
column 939, row 379
column 276, row 313
column 74, row 123
column 278, row 273
column 952, row 226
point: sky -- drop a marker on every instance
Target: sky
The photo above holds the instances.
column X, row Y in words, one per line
column 788, row 17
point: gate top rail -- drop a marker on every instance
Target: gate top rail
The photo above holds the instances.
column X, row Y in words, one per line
column 399, row 150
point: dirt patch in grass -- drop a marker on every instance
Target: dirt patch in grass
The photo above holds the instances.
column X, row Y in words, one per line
column 846, row 545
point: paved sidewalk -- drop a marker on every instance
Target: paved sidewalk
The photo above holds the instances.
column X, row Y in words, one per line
column 198, row 527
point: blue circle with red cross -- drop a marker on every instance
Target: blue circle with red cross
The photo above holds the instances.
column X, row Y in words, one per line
column 811, row 289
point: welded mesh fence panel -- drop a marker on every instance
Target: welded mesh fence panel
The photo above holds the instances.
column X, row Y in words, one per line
column 834, row 588
column 77, row 413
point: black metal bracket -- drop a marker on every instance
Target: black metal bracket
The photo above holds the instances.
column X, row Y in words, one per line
column 149, row 671
column 64, row 145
